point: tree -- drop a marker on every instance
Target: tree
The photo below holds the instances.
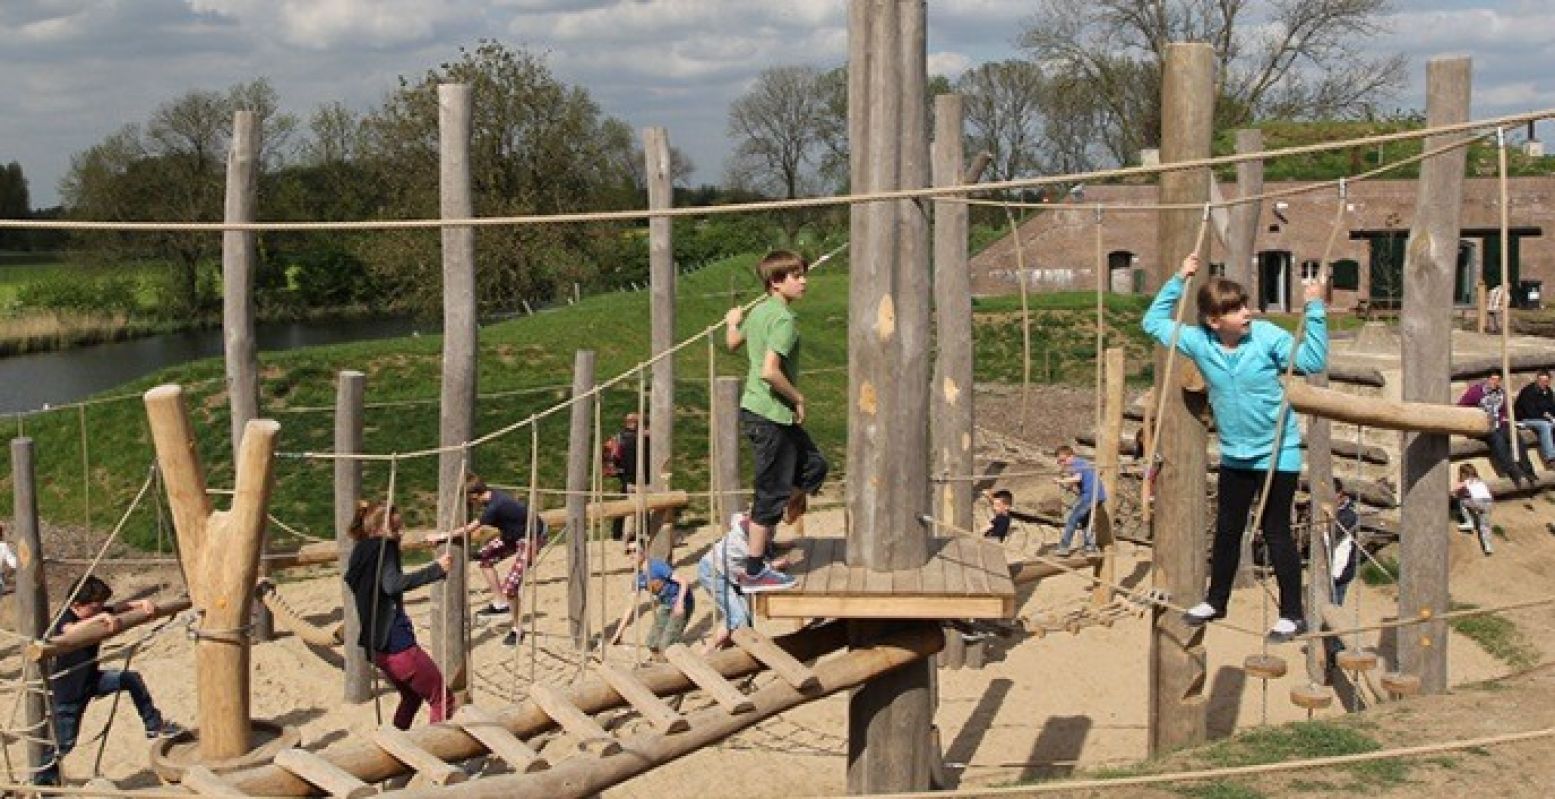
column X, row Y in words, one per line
column 777, row 126
column 1293, row 59
column 14, row 204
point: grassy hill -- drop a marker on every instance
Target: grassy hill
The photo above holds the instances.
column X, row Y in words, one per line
column 525, row 366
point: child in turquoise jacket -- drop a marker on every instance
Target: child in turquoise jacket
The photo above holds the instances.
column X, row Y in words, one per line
column 1242, row 360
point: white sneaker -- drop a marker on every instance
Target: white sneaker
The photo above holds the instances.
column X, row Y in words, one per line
column 1202, row 613
column 1286, row 629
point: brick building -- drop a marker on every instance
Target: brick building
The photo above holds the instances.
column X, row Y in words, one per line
column 1060, row 253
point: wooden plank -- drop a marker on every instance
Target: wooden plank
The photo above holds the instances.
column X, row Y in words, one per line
column 427, row 766
column 934, row 570
column 976, row 575
column 322, row 774
column 907, row 581
column 648, row 704
column 582, row 727
column 823, row 572
column 997, row 568
column 105, row 787
column 775, row 658
column 204, row 782
column 485, row 728
column 696, row 670
column 875, row 582
column 789, row 605
column 955, row 570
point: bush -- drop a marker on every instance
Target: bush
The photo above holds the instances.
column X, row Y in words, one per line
column 82, row 295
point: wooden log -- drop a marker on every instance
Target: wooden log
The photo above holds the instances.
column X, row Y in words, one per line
column 649, row 750
column 1107, row 470
column 1177, row 672
column 582, row 727
column 239, row 255
column 580, row 460
column 86, row 635
column 1265, row 667
column 1425, row 331
column 488, row 730
column 1356, row 660
column 1320, row 470
column 776, row 658
column 1482, row 367
column 525, row 719
column 1356, row 375
column 661, row 280
column 1030, row 571
column 951, row 414
column 726, row 401
column 32, row 595
column 1401, row 684
column 105, row 788
column 1245, row 216
column 1373, row 412
column 1311, row 697
column 647, row 704
column 221, row 560
column 204, row 782
column 312, row 634
column 1366, row 492
column 461, row 346
column 953, row 655
column 328, row 777
column 350, row 388
column 709, row 680
column 427, row 766
column 888, row 455
column 1465, row 448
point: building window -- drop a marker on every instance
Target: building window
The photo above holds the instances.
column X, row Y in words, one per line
column 1217, row 269
column 1310, row 270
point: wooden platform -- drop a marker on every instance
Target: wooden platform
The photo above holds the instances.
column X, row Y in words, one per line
column 965, row 578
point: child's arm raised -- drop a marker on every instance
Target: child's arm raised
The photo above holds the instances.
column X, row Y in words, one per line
column 1159, row 321
column 1312, row 356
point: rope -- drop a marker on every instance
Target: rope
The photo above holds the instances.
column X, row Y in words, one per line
column 103, row 550
column 936, row 192
column 1025, row 318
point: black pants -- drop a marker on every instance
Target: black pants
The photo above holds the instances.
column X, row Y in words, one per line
column 1501, row 455
column 786, row 459
column 1238, row 488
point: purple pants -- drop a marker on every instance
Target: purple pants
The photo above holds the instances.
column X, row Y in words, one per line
column 416, row 677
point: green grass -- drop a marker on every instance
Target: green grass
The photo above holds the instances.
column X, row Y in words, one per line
column 1373, row 576
column 1219, row 789
column 1498, row 636
column 20, row 269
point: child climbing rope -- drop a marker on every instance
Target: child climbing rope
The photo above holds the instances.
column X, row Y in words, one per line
column 1241, row 360
column 378, row 584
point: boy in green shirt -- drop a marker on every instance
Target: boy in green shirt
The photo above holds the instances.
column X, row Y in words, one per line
column 789, row 467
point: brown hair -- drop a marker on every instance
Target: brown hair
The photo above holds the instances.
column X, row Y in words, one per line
column 1218, row 297
column 1466, row 471
column 778, row 265
column 90, row 588
column 1063, row 450
column 370, row 519
column 474, row 485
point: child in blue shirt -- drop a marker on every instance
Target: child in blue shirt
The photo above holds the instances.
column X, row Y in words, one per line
column 1242, row 360
column 672, row 599
column 1079, row 476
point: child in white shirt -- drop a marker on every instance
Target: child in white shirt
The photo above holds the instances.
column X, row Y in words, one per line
column 1474, row 501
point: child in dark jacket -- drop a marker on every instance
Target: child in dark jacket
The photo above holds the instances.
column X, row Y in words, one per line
column 378, row 583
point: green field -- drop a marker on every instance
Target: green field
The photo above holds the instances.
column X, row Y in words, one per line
column 19, row 269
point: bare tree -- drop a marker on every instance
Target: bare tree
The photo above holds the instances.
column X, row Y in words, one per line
column 777, row 126
column 336, row 136
column 1277, row 58
column 1004, row 114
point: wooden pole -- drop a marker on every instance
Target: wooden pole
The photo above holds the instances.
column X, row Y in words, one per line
column 221, row 561
column 726, row 397
column 461, row 343
column 1244, row 216
column 1372, row 412
column 580, row 459
column 238, row 258
column 1177, row 672
column 1107, row 466
column 1320, row 474
column 951, row 417
column 661, row 273
column 84, row 636
column 1425, row 330
column 349, row 390
column 32, row 598
column 889, row 719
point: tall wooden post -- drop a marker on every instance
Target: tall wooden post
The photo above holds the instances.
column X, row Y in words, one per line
column 889, row 718
column 349, row 390
column 220, row 553
column 461, row 342
column 580, row 457
column 726, row 401
column 1425, row 329
column 1177, row 700
column 1320, row 481
column 661, row 276
column 1107, row 469
column 32, row 598
column 1244, row 216
column 238, row 257
column 950, row 393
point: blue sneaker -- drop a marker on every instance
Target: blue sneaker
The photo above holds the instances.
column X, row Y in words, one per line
column 768, row 579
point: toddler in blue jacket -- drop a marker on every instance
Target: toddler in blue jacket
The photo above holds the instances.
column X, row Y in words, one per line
column 1242, row 360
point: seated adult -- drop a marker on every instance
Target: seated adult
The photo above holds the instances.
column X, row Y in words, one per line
column 1535, row 408
column 1490, row 397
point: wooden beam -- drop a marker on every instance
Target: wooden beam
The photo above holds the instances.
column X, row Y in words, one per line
column 87, row 635
column 1243, row 234
column 1374, row 412
column 1320, row 471
column 776, row 658
column 350, row 389
column 1477, row 368
column 708, row 679
column 485, row 728
column 329, row 636
column 661, row 282
column 726, row 401
column 461, row 346
column 581, row 726
column 581, row 449
column 647, row 704
column 1177, row 672
column 1107, row 468
column 951, row 413
column 204, row 782
column 183, row 476
column 32, row 596
column 1425, row 330
column 328, row 777
column 427, row 766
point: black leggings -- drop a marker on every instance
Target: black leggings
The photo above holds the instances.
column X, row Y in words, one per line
column 1238, row 488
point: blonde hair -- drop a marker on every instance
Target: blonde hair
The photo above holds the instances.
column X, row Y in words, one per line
column 371, row 519
column 1218, row 297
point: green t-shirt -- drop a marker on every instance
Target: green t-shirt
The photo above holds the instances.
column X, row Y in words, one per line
column 770, row 326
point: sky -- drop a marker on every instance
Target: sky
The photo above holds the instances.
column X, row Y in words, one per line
column 77, row 70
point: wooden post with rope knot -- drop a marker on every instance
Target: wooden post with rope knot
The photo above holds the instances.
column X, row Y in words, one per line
column 220, row 553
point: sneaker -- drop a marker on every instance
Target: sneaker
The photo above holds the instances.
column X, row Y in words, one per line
column 1092, row 552
column 1202, row 614
column 1465, row 527
column 1062, row 552
column 494, row 610
column 513, row 638
column 766, row 580
column 168, row 729
column 1286, row 629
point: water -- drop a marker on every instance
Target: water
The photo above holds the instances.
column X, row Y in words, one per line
column 28, row 382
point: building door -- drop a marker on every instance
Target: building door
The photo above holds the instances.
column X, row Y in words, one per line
column 1120, row 264
column 1273, row 280
column 1387, row 270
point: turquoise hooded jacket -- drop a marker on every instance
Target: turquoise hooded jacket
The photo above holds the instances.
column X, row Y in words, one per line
column 1244, row 383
